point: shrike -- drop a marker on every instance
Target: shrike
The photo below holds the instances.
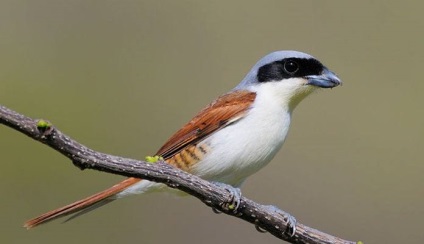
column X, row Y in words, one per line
column 235, row 135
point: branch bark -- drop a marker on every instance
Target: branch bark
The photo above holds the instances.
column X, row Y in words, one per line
column 212, row 195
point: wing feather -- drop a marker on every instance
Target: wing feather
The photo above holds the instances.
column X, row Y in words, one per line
column 225, row 110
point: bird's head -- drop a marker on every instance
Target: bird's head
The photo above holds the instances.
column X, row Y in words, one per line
column 288, row 77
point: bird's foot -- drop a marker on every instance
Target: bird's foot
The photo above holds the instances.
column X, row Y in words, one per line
column 290, row 220
column 235, row 197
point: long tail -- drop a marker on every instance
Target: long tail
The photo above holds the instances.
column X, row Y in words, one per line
column 83, row 206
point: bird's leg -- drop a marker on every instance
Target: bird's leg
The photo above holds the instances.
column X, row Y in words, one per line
column 234, row 202
column 290, row 220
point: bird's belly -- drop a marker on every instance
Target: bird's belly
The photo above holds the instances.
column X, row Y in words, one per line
column 239, row 150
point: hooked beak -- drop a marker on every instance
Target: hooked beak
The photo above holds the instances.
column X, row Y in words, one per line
column 326, row 80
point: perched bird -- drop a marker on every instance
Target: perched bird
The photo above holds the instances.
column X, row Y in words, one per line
column 235, row 135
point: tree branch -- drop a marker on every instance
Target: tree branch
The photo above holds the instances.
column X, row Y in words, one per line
column 212, row 195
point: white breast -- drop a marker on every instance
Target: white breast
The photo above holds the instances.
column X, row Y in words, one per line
column 243, row 148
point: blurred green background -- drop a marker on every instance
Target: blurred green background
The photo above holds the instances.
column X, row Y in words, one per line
column 122, row 76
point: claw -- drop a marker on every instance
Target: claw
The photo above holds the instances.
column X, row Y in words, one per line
column 234, row 202
column 290, row 220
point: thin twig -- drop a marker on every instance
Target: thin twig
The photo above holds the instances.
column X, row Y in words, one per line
column 210, row 194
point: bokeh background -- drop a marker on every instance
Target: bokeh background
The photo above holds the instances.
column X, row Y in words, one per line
column 122, row 76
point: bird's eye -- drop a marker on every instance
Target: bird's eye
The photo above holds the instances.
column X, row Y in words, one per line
column 291, row 67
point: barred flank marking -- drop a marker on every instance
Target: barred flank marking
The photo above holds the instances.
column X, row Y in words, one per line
column 202, row 149
column 192, row 152
column 172, row 162
column 185, row 158
column 178, row 163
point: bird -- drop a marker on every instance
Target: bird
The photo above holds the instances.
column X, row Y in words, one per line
column 234, row 136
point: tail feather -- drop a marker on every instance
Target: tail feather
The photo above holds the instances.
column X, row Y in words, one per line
column 89, row 208
column 82, row 206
